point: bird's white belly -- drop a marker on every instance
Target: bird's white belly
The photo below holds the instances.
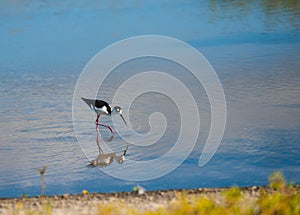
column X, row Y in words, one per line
column 102, row 110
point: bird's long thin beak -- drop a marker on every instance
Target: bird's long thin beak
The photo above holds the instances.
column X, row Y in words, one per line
column 123, row 119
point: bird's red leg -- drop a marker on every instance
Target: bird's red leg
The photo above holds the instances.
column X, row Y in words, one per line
column 97, row 124
column 107, row 127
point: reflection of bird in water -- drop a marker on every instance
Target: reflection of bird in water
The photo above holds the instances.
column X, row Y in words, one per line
column 103, row 108
column 105, row 159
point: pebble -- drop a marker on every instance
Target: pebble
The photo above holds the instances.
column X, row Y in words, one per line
column 65, row 196
column 254, row 188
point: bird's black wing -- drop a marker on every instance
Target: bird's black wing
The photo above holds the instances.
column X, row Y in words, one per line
column 101, row 103
column 97, row 104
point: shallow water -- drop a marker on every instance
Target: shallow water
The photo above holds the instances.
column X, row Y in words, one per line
column 253, row 47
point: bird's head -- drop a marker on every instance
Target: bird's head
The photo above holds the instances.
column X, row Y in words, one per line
column 118, row 110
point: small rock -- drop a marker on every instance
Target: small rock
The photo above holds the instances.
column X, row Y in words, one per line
column 254, row 188
column 65, row 196
column 35, row 204
column 200, row 189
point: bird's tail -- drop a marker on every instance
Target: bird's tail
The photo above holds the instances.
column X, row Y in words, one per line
column 89, row 102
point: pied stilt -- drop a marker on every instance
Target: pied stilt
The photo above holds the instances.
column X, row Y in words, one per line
column 103, row 108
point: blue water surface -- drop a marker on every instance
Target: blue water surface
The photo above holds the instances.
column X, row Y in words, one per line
column 252, row 45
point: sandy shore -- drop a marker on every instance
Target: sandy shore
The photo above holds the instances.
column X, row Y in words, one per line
column 90, row 203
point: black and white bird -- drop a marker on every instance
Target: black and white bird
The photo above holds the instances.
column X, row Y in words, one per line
column 103, row 108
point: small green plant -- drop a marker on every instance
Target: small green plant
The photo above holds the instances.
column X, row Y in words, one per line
column 277, row 181
column 284, row 200
column 232, row 196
